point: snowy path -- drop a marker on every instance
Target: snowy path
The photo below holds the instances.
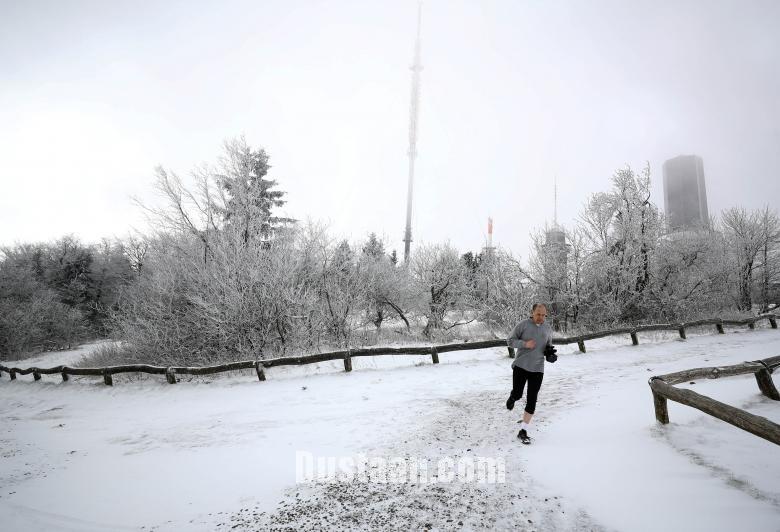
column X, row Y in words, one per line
column 205, row 456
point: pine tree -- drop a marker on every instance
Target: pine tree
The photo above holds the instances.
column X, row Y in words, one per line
column 250, row 197
column 374, row 247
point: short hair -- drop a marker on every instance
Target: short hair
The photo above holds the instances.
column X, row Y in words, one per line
column 533, row 308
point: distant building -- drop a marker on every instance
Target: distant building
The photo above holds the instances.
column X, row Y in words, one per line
column 555, row 258
column 685, row 196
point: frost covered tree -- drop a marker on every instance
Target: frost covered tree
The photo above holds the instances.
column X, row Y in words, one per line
column 342, row 290
column 503, row 292
column 745, row 238
column 235, row 194
column 688, row 277
column 388, row 288
column 221, row 280
column 250, row 197
column 769, row 258
column 441, row 279
column 621, row 230
column 54, row 294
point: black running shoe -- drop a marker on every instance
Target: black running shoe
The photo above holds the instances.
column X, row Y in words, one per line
column 523, row 435
column 510, row 403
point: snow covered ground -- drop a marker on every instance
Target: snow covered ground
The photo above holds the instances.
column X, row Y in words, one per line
column 220, row 453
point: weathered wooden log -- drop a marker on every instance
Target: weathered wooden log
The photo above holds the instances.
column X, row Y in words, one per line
column 408, row 350
column 46, row 371
column 170, row 376
column 655, row 327
column 298, row 361
column 736, row 322
column 97, row 372
column 671, row 326
column 138, row 368
column 698, row 323
column 107, row 378
column 347, row 362
column 758, row 425
column 466, row 346
column 717, row 371
column 590, row 336
column 634, row 338
column 260, row 372
column 210, row 370
column 581, row 345
column 661, row 407
column 681, row 330
column 766, row 385
column 434, row 355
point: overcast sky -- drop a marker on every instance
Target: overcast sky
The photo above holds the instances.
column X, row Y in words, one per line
column 95, row 94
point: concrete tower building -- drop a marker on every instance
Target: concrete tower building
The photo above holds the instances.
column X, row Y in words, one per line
column 685, row 196
column 555, row 258
column 555, row 245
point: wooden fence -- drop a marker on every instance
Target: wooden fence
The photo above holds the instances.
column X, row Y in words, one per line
column 347, row 355
column 663, row 388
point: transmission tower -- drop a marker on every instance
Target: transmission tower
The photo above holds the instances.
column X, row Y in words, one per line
column 413, row 113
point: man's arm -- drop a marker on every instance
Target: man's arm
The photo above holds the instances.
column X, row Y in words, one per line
column 514, row 339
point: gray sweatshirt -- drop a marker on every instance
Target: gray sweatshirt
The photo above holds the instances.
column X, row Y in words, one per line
column 530, row 359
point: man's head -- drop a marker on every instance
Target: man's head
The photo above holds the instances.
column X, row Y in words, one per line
column 538, row 313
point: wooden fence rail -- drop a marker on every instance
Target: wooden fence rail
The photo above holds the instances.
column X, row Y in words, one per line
column 347, row 355
column 663, row 389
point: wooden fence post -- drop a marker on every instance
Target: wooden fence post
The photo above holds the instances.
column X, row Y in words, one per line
column 661, row 409
column 765, row 384
column 107, row 378
column 681, row 330
column 260, row 372
column 36, row 376
column 348, row 361
column 634, row 338
column 434, row 355
column 581, row 345
column 169, row 376
column 719, row 326
column 773, row 322
column 64, row 376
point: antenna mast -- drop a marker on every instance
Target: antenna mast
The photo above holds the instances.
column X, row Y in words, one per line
column 413, row 113
column 555, row 215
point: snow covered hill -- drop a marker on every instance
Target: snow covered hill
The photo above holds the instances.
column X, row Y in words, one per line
column 210, row 455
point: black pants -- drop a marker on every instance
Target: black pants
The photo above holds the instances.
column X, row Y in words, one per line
column 519, row 377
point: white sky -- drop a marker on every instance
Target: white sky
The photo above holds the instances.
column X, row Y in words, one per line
column 93, row 95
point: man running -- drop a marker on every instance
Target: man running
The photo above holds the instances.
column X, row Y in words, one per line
column 532, row 338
